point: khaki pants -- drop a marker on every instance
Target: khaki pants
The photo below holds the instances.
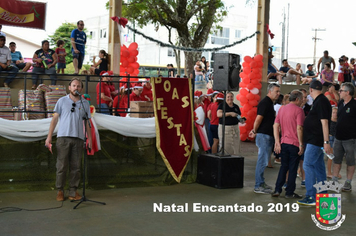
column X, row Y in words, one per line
column 69, row 153
column 232, row 139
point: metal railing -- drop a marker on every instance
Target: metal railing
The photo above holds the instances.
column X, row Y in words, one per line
column 86, row 79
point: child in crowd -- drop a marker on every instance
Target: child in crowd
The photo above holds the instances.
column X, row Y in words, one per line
column 61, row 52
column 198, row 68
column 170, row 70
column 332, row 132
column 341, row 70
column 102, row 63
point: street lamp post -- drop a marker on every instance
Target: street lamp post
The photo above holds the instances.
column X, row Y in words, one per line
column 315, row 39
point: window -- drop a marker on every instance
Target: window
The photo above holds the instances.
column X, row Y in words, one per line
column 238, row 33
column 103, row 33
column 221, row 36
column 171, row 52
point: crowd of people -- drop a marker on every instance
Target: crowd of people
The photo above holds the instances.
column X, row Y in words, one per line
column 286, row 73
column 49, row 61
column 300, row 129
column 304, row 129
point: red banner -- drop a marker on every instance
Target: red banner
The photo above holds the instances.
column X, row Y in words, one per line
column 173, row 109
column 23, row 14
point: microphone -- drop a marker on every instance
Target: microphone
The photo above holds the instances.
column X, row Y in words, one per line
column 76, row 92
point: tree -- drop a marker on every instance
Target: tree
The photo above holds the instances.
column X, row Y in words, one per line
column 63, row 32
column 192, row 19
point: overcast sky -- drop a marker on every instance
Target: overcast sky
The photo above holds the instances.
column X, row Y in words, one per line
column 336, row 17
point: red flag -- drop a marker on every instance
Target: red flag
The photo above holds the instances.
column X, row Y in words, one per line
column 174, row 115
column 23, row 14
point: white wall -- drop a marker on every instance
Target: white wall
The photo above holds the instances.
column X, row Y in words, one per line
column 26, row 48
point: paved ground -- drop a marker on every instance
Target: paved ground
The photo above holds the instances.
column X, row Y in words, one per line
column 129, row 211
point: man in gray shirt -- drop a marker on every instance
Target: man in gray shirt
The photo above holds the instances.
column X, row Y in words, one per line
column 69, row 111
column 5, row 61
column 326, row 58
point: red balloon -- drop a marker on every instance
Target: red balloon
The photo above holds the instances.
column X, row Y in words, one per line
column 242, row 85
column 247, row 107
column 125, row 63
column 125, row 53
column 258, row 58
column 251, row 113
column 257, row 97
column 253, row 64
column 243, row 136
column 245, row 64
column 250, row 96
column 133, row 46
column 252, row 76
column 256, row 70
column 246, row 80
column 259, row 85
column 247, row 69
column 255, row 81
column 247, row 59
column 243, row 99
column 134, row 65
column 250, row 86
column 243, row 92
column 133, row 53
column 243, row 129
column 243, row 75
column 131, row 59
column 136, row 71
column 253, row 103
column 259, row 64
column 124, row 47
column 130, row 70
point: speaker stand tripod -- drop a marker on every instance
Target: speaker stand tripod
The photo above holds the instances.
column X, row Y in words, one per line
column 84, row 198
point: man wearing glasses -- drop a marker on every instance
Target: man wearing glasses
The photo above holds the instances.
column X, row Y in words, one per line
column 345, row 137
column 78, row 41
column 69, row 111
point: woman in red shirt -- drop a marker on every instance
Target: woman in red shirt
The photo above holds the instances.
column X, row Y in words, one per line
column 332, row 95
column 214, row 120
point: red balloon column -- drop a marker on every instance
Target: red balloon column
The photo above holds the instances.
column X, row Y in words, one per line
column 249, row 95
column 128, row 60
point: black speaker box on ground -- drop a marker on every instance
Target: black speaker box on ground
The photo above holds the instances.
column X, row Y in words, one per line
column 226, row 72
column 221, row 172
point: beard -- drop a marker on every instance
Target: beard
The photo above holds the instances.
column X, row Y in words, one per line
column 74, row 93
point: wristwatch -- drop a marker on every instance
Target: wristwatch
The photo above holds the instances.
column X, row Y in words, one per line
column 326, row 142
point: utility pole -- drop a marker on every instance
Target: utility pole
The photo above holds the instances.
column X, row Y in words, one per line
column 315, row 39
column 287, row 35
column 283, row 34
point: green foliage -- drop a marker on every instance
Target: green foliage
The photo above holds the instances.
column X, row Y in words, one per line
column 63, row 32
column 192, row 19
column 70, row 68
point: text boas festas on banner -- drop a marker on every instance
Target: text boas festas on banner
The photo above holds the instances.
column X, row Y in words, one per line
column 23, row 14
column 249, row 95
column 174, row 118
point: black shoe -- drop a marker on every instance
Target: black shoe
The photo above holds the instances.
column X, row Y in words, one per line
column 294, row 195
column 276, row 194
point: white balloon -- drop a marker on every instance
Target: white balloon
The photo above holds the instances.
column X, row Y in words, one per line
column 255, row 91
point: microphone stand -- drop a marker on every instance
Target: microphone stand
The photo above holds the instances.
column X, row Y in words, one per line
column 86, row 120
